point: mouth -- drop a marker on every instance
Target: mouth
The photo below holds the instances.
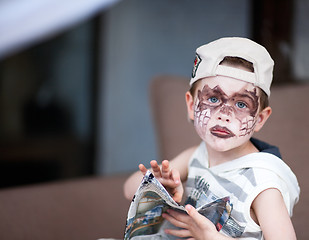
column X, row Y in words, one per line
column 221, row 132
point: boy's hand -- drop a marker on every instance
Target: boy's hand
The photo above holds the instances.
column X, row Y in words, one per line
column 169, row 178
column 193, row 226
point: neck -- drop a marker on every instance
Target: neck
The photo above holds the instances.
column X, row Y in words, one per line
column 216, row 157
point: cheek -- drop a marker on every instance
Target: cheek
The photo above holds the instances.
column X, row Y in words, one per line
column 202, row 113
column 247, row 125
column 242, row 114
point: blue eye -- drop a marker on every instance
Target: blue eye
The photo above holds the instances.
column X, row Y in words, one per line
column 241, row 105
column 213, row 100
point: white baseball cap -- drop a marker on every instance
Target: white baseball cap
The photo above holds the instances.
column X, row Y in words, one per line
column 209, row 56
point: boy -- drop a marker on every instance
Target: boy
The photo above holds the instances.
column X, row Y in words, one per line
column 228, row 102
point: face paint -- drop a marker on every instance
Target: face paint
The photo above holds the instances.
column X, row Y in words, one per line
column 226, row 116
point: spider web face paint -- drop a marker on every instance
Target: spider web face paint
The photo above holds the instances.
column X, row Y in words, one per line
column 233, row 115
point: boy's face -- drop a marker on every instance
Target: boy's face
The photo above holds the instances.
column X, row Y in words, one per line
column 225, row 111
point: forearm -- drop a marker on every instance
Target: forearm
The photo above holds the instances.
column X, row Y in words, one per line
column 131, row 184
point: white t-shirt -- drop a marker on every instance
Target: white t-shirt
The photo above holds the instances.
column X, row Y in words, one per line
column 240, row 180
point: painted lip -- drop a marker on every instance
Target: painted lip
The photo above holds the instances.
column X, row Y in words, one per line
column 221, row 132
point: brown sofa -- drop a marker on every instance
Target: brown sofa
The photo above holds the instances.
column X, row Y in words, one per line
column 89, row 208
column 92, row 208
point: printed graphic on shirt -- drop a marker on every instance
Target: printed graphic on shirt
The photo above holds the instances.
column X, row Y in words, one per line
column 221, row 209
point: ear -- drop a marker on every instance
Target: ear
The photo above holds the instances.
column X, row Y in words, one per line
column 190, row 105
column 262, row 118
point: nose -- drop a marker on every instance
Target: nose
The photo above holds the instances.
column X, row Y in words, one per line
column 223, row 117
column 225, row 113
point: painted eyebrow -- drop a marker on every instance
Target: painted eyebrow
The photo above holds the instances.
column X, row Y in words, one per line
column 243, row 96
column 218, row 90
column 247, row 94
column 210, row 92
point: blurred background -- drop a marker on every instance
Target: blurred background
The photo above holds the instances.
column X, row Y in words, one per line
column 75, row 75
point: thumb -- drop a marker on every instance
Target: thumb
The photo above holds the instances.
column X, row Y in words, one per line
column 194, row 214
column 178, row 194
column 201, row 221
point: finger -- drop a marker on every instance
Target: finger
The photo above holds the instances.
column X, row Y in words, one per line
column 180, row 216
column 165, row 169
column 183, row 233
column 142, row 168
column 199, row 219
column 175, row 176
column 174, row 221
column 156, row 169
column 178, row 190
column 173, row 179
column 178, row 193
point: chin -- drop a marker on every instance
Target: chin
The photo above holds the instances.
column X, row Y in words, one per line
column 221, row 148
column 223, row 144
